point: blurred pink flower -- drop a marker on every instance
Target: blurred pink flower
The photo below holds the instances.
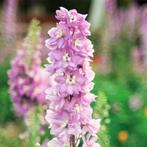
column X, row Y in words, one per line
column 27, row 82
column 135, row 102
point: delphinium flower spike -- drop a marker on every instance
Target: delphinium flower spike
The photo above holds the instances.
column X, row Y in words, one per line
column 69, row 114
column 27, row 79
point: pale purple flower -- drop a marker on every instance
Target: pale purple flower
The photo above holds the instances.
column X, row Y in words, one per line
column 111, row 6
column 62, row 14
column 72, row 83
column 58, row 37
column 74, row 20
column 64, row 59
column 27, row 82
column 70, row 114
column 135, row 102
column 10, row 9
column 90, row 142
column 143, row 32
column 56, row 141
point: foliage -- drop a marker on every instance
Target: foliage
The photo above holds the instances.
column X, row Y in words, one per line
column 101, row 110
column 128, row 126
column 9, row 136
column 5, row 102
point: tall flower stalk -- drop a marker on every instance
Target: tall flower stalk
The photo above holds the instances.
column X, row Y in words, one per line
column 27, row 79
column 69, row 114
column 10, row 9
column 143, row 31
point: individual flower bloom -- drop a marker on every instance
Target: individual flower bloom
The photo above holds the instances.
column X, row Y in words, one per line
column 82, row 45
column 58, row 37
column 61, row 14
column 74, row 19
column 57, row 142
column 78, row 22
column 40, row 84
column 63, row 58
column 91, row 125
column 36, row 59
column 71, row 82
column 51, row 91
column 57, row 103
column 78, row 105
column 123, row 136
column 90, row 141
column 110, row 7
column 25, row 85
column 88, row 98
column 52, row 143
column 84, row 26
column 135, row 102
column 21, row 108
column 61, row 125
column 89, row 73
column 73, row 16
column 58, row 121
column 82, row 113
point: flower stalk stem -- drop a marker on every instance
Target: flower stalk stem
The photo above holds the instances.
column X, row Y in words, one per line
column 72, row 141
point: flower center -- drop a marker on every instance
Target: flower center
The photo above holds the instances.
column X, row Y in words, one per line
column 59, row 33
column 72, row 18
column 69, row 98
column 78, row 43
column 78, row 108
column 49, row 60
column 20, row 81
column 26, row 88
column 70, row 79
column 66, row 57
column 64, row 124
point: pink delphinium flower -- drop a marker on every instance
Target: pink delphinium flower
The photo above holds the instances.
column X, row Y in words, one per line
column 10, row 8
column 27, row 79
column 90, row 142
column 143, row 32
column 26, row 83
column 70, row 114
column 135, row 102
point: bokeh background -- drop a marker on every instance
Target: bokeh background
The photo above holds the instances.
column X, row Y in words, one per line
column 119, row 35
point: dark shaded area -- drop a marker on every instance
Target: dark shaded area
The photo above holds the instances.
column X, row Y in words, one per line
column 51, row 6
column 141, row 2
column 125, row 3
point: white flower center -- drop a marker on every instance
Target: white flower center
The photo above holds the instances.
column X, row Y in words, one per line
column 36, row 91
column 64, row 124
column 49, row 60
column 20, row 81
column 66, row 57
column 70, row 79
column 26, row 88
column 78, row 108
column 59, row 34
column 78, row 43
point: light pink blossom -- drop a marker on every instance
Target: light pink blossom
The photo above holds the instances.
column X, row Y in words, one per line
column 69, row 114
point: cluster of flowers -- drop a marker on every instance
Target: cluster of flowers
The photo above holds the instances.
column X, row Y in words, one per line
column 70, row 114
column 27, row 79
column 132, row 23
